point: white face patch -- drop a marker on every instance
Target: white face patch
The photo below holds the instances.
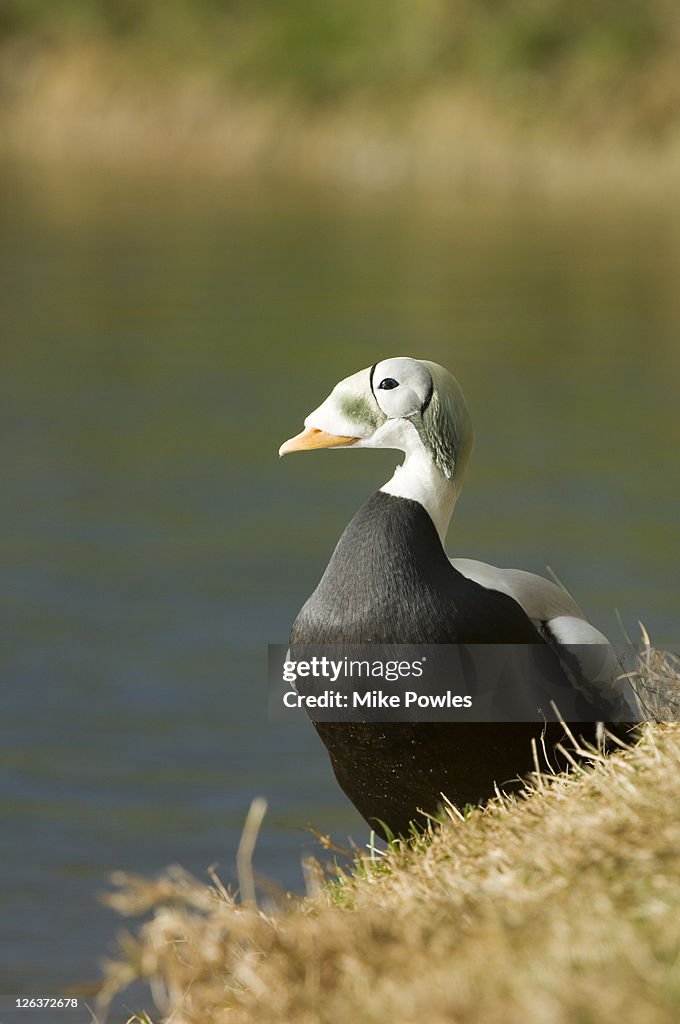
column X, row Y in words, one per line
column 401, row 386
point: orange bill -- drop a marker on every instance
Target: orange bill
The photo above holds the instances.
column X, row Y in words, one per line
column 312, row 438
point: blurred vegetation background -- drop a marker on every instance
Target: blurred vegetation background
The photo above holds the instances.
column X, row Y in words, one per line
column 492, row 76
column 323, row 50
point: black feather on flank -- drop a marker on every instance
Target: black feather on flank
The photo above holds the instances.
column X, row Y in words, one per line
column 389, row 581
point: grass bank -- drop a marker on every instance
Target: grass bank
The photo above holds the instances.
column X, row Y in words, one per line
column 561, row 906
column 507, row 96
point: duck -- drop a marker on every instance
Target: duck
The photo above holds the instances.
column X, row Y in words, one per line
column 390, row 581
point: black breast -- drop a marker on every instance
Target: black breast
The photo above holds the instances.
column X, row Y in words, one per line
column 389, row 581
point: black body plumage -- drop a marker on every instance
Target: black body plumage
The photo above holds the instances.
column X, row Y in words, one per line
column 389, row 581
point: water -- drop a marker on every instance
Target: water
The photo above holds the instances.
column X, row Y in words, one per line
column 159, row 342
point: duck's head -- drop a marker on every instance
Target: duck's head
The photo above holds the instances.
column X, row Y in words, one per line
column 412, row 405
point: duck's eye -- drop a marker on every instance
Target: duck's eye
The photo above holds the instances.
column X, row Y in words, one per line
column 388, row 384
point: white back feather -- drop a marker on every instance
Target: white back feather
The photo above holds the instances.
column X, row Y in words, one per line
column 561, row 622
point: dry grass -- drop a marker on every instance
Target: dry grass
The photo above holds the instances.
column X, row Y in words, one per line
column 656, row 683
column 561, row 906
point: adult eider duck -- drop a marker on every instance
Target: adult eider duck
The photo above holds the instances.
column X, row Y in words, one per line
column 389, row 580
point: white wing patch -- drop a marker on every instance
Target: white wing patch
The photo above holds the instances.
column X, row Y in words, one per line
column 561, row 622
column 541, row 599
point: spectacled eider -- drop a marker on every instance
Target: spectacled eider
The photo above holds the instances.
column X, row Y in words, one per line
column 389, row 581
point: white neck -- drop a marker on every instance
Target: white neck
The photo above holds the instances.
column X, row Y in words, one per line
column 420, row 480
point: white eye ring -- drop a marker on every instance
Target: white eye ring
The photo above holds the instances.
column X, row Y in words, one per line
column 388, row 384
